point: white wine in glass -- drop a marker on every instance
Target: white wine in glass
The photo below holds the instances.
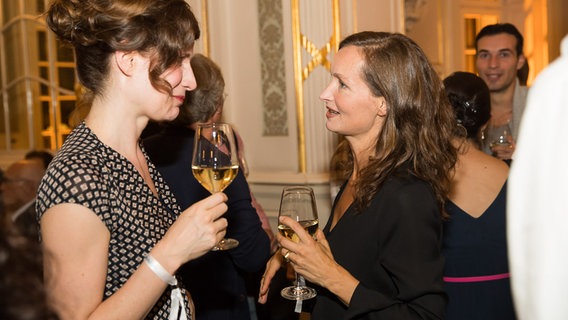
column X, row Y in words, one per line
column 309, row 225
column 215, row 179
column 299, row 203
column 215, row 163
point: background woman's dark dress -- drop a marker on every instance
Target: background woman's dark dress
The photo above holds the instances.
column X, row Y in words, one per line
column 478, row 247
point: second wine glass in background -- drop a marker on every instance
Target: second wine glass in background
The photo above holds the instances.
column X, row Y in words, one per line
column 494, row 136
column 215, row 162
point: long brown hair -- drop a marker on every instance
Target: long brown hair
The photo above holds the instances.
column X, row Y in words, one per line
column 419, row 125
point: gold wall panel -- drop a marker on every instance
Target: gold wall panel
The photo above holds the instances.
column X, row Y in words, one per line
column 302, row 43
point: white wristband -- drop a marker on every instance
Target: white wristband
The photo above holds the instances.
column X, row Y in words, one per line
column 177, row 307
column 159, row 270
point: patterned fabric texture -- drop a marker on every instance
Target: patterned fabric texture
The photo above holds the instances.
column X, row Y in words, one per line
column 89, row 173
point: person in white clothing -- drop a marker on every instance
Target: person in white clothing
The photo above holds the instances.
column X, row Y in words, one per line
column 537, row 208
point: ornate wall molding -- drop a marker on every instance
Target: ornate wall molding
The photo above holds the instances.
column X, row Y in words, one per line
column 273, row 71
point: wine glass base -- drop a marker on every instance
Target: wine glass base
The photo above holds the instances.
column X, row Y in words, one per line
column 226, row 244
column 298, row 293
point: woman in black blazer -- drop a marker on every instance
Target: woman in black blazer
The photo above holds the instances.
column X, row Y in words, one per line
column 379, row 255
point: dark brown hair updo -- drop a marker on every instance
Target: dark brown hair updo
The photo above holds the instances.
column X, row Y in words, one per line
column 419, row 124
column 162, row 29
column 471, row 100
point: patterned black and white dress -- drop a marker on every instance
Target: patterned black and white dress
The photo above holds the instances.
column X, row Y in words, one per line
column 89, row 173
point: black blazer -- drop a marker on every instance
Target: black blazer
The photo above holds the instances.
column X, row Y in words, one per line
column 394, row 249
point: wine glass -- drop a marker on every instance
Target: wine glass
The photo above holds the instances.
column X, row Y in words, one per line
column 299, row 203
column 494, row 136
column 215, row 163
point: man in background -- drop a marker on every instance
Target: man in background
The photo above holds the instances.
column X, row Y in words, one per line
column 499, row 56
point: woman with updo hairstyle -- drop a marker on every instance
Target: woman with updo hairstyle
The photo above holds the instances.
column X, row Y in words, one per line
column 471, row 100
column 113, row 235
column 476, row 272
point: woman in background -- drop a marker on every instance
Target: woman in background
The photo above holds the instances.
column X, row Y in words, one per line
column 476, row 275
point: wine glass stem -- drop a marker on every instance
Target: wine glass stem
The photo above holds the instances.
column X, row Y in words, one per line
column 300, row 282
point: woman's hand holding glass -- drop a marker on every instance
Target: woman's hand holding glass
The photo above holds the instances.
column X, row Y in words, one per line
column 284, row 255
column 312, row 258
column 299, row 204
column 195, row 232
column 215, row 163
column 309, row 254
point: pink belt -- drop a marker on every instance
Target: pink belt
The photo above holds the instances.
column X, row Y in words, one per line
column 478, row 279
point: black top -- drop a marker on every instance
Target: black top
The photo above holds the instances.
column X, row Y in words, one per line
column 216, row 280
column 394, row 249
